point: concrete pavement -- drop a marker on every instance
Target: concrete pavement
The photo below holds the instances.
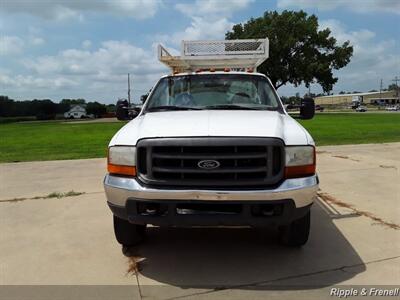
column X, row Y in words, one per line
column 69, row 241
column 367, row 176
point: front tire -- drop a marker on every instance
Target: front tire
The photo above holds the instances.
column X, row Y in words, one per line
column 296, row 233
column 128, row 234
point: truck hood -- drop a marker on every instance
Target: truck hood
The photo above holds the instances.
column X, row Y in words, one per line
column 213, row 123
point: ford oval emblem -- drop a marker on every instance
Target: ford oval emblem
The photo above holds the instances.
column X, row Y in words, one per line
column 208, row 164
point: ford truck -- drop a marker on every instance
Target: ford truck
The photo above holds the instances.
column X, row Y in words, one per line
column 213, row 146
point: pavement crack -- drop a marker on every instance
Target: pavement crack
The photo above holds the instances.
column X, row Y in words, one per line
column 342, row 268
column 332, row 200
column 57, row 195
column 387, row 167
column 345, row 157
column 352, row 170
column 322, row 151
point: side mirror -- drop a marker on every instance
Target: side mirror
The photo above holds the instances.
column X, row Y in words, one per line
column 143, row 98
column 307, row 108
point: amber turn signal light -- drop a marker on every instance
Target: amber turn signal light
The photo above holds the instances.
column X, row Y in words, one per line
column 121, row 170
column 299, row 171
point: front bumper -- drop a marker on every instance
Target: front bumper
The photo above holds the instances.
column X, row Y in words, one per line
column 290, row 201
column 301, row 190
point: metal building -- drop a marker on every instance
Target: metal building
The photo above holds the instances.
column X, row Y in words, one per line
column 384, row 97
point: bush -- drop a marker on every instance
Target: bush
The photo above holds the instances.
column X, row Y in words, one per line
column 16, row 119
column 43, row 116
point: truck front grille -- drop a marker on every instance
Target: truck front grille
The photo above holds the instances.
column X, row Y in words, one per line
column 210, row 162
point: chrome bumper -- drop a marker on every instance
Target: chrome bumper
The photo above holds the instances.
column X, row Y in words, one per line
column 301, row 190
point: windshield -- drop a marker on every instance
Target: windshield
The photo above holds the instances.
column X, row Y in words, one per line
column 213, row 91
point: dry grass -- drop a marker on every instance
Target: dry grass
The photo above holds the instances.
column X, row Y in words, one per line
column 61, row 195
column 133, row 265
column 57, row 195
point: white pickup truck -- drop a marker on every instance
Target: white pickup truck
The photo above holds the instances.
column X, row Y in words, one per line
column 213, row 146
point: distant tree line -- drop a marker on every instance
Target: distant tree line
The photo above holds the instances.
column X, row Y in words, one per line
column 45, row 109
column 296, row 99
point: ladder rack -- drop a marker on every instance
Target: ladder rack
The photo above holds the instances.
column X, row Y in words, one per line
column 233, row 54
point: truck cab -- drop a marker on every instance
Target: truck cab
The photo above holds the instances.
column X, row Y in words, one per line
column 213, row 146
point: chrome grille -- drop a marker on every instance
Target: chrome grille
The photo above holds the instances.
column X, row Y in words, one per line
column 240, row 161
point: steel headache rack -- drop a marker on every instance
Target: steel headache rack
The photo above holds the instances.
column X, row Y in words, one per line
column 216, row 55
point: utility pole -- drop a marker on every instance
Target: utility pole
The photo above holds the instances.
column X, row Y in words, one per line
column 397, row 86
column 129, row 91
column 380, row 91
column 395, row 80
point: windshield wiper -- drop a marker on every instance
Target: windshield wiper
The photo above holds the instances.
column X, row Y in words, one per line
column 236, row 107
column 171, row 107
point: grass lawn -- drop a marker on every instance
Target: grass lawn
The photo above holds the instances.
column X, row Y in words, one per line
column 57, row 140
column 354, row 128
column 54, row 140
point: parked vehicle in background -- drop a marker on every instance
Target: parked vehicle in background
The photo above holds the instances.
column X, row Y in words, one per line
column 361, row 108
column 319, row 108
column 393, row 108
column 213, row 147
column 76, row 112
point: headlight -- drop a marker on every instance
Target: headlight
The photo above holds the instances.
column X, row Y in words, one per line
column 299, row 156
column 299, row 161
column 122, row 160
column 122, row 155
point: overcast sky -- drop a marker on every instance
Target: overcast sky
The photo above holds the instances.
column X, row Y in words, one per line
column 84, row 49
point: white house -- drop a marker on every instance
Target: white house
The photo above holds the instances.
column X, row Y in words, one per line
column 76, row 112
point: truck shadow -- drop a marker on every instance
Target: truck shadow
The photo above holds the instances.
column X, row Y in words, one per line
column 242, row 258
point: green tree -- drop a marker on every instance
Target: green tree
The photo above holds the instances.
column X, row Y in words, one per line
column 96, row 108
column 299, row 52
column 285, row 99
column 111, row 108
column 69, row 102
column 392, row 87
